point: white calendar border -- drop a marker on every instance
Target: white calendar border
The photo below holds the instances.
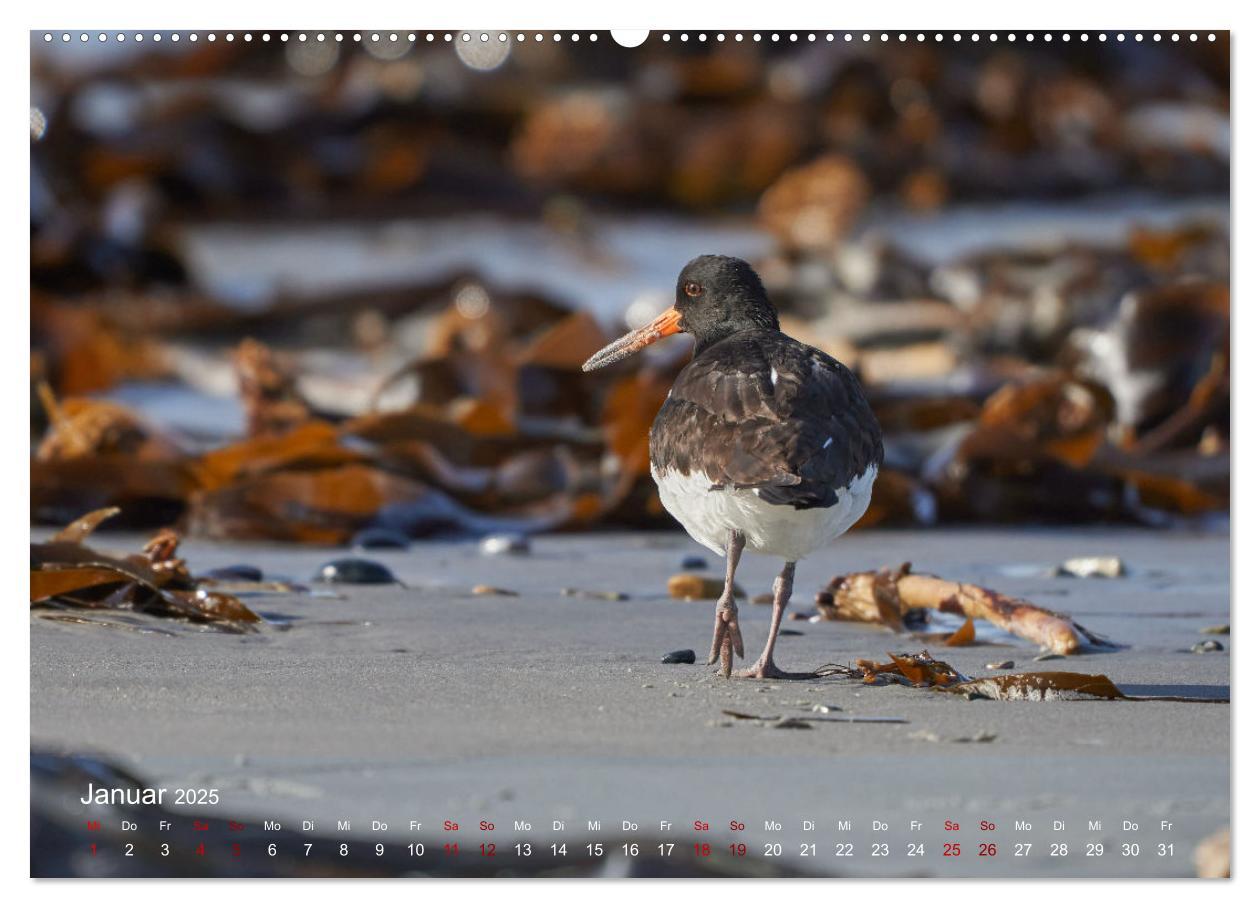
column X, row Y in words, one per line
column 1071, row 15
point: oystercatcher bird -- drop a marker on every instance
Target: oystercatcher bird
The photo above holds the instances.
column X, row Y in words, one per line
column 764, row 444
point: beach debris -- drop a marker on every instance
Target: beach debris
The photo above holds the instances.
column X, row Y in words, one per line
column 1001, row 666
column 505, row 544
column 797, row 616
column 484, row 589
column 1207, row 646
column 234, row 572
column 789, row 632
column 1212, row 856
column 679, row 657
column 1105, row 566
column 67, row 573
column 694, row 563
column 605, row 595
column 773, row 721
column 922, row 670
column 980, row 737
column 379, row 538
column 354, row 571
column 885, row 597
column 694, row 586
column 1216, row 630
column 792, row 722
column 267, row 384
column 1046, row 657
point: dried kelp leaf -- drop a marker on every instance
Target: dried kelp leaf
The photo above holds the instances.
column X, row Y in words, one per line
column 916, row 668
column 80, row 529
column 873, row 596
column 310, row 446
column 1045, row 416
column 923, row 671
column 80, row 428
column 155, row 581
column 964, row 636
column 315, row 505
column 1041, row 686
column 267, row 385
column 48, row 582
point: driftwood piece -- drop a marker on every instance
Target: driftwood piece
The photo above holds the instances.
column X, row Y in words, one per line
column 885, row 596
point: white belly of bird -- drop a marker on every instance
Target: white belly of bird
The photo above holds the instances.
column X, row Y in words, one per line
column 708, row 515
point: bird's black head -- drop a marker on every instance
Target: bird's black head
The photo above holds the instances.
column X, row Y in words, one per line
column 716, row 296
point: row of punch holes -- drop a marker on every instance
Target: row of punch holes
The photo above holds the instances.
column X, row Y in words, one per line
column 521, row 37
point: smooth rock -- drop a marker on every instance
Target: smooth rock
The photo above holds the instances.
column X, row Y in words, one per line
column 679, row 657
column 354, row 570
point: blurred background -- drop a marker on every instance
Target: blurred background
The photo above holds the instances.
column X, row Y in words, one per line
column 302, row 289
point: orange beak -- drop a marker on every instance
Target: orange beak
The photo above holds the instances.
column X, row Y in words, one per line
column 667, row 323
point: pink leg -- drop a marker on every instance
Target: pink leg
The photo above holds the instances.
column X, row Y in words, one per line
column 726, row 635
column 764, row 667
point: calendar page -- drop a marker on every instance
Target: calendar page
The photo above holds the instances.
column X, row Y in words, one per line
column 600, row 454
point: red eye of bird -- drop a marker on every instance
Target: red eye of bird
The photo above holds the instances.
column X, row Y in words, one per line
column 691, row 288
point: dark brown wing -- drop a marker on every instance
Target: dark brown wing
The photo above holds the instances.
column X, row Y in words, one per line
column 762, row 411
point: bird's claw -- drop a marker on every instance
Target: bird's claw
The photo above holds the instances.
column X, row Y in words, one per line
column 727, row 639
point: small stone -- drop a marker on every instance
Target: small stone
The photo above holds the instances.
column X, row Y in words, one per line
column 1216, row 630
column 694, row 563
column 354, row 570
column 379, row 538
column 244, row 572
column 825, row 708
column 798, row 616
column 693, row 586
column 1108, row 566
column 679, row 657
column 997, row 666
column 505, row 544
column 1046, row 657
column 1207, row 646
column 787, row 632
column 924, row 734
column 482, row 589
column 763, row 599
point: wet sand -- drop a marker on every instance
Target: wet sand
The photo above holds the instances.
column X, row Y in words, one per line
column 427, row 703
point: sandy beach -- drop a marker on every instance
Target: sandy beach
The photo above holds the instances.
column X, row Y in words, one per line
column 422, row 702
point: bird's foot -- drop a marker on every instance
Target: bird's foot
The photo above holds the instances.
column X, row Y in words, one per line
column 727, row 639
column 766, row 669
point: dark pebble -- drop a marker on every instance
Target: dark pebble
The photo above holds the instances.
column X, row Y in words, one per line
column 1207, row 646
column 379, row 538
column 680, row 657
column 790, row 633
column 354, row 570
column 694, row 563
column 246, row 572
